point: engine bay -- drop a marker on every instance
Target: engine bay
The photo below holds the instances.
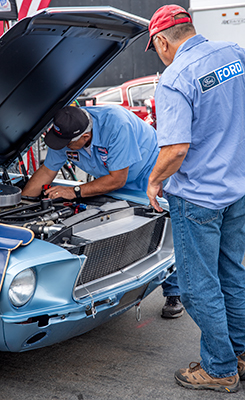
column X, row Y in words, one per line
column 45, row 216
column 111, row 233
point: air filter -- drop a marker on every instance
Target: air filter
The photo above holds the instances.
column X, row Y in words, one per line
column 9, row 195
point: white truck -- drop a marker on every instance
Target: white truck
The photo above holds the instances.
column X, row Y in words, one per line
column 220, row 19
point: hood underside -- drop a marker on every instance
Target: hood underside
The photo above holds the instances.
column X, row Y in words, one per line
column 48, row 59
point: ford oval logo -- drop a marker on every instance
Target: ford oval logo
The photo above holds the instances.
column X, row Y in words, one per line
column 208, row 81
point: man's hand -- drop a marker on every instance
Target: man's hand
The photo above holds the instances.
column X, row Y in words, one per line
column 168, row 162
column 60, row 191
column 152, row 192
column 43, row 176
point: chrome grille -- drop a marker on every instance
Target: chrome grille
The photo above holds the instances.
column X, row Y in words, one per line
column 112, row 254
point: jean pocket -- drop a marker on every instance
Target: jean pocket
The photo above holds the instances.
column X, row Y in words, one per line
column 199, row 214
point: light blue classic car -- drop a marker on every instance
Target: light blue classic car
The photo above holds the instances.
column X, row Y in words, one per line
column 63, row 273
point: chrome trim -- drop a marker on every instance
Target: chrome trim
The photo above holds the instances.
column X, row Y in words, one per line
column 123, row 282
column 78, row 275
column 130, row 100
column 99, row 9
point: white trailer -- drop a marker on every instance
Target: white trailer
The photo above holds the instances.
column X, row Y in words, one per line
column 220, row 19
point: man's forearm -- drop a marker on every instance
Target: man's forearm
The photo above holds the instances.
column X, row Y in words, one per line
column 102, row 185
column 43, row 176
column 169, row 161
column 105, row 184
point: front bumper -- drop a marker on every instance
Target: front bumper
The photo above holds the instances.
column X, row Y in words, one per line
column 64, row 322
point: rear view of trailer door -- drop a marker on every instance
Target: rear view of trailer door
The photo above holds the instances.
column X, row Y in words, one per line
column 220, row 19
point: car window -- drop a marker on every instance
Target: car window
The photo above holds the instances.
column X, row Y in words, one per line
column 138, row 94
column 113, row 97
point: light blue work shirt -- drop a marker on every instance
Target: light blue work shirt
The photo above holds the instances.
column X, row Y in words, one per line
column 200, row 99
column 120, row 140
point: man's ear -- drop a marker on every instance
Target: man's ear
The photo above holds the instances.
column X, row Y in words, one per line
column 163, row 41
column 87, row 136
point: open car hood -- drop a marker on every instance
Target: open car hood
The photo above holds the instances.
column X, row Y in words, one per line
column 48, row 59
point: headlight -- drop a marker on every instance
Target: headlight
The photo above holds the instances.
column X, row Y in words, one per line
column 22, row 287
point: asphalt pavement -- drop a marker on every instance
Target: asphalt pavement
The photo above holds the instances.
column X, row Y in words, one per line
column 121, row 360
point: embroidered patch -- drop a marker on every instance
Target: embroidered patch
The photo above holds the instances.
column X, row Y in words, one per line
column 102, row 150
column 220, row 75
column 73, row 155
column 103, row 153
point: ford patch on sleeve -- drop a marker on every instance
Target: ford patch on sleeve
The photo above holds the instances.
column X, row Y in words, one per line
column 220, row 75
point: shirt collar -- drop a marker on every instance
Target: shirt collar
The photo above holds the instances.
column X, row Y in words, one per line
column 192, row 42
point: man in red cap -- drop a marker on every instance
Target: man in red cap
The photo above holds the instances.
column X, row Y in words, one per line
column 200, row 107
column 164, row 18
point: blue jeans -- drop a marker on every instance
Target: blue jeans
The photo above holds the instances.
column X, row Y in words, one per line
column 209, row 248
column 170, row 286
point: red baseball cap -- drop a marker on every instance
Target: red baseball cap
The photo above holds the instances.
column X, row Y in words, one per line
column 163, row 18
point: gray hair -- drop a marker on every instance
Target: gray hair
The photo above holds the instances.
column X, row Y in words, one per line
column 178, row 32
column 89, row 127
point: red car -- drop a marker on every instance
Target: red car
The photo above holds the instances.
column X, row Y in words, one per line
column 131, row 95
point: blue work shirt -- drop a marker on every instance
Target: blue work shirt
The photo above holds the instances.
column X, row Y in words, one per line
column 200, row 99
column 120, row 139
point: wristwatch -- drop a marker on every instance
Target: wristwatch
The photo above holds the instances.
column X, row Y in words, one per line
column 77, row 191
